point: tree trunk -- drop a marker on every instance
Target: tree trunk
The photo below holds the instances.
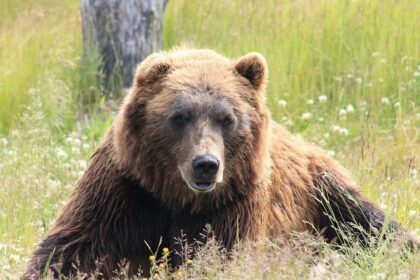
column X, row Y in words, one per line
column 122, row 33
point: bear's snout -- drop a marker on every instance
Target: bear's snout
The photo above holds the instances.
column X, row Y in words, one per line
column 205, row 168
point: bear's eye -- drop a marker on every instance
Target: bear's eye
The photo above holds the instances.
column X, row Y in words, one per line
column 179, row 119
column 226, row 121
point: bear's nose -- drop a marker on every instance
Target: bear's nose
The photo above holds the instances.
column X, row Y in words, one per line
column 205, row 166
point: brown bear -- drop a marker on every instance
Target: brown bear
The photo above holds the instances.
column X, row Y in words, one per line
column 193, row 144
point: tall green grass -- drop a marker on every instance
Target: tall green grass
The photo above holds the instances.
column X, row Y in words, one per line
column 350, row 51
column 40, row 52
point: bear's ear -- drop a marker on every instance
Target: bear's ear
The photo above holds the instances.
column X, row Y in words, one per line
column 153, row 68
column 254, row 68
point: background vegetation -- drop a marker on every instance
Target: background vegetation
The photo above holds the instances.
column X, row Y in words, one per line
column 343, row 74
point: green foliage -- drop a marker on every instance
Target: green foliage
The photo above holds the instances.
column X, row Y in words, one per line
column 343, row 74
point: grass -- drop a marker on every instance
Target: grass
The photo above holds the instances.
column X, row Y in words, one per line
column 343, row 74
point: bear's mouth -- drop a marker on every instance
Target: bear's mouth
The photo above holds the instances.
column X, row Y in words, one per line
column 202, row 186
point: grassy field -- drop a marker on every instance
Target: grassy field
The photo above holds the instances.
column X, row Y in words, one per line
column 343, row 74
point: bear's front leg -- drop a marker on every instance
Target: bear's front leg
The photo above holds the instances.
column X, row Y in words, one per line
column 345, row 213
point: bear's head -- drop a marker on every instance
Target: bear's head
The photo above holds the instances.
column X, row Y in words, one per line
column 194, row 129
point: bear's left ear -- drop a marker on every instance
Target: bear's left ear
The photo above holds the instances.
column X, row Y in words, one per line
column 152, row 69
column 254, row 68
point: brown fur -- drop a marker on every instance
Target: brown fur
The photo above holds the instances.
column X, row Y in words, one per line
column 273, row 184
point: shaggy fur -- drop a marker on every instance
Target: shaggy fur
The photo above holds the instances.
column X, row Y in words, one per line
column 133, row 193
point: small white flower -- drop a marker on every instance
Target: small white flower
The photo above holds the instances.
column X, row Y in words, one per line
column 33, row 91
column 284, row 119
column 416, row 74
column 4, row 141
column 321, row 119
column 335, row 128
column 383, row 60
column 322, row 98
column 358, row 80
column 306, row 116
column 385, row 100
column 68, row 139
column 86, row 146
column 61, row 154
column 326, row 135
column 310, row 102
column 350, row 76
column 82, row 164
column 369, row 85
column 76, row 142
column 15, row 133
column 381, row 80
column 75, row 150
column 54, row 183
column 282, row 103
column 375, row 54
column 397, row 104
column 342, row 113
column 350, row 109
column 343, row 132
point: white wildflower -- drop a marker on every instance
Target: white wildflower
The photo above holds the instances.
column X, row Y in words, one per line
column 331, row 153
column 335, row 128
column 369, row 85
column 75, row 150
column 321, row 119
column 342, row 113
column 310, row 102
column 326, row 135
column 322, row 98
column 358, row 80
column 306, row 116
column 385, row 100
column 397, row 104
column 61, row 154
column 282, row 103
column 343, row 131
column 350, row 109
column 416, row 74
column 82, row 164
column 4, row 141
column 33, row 91
column 76, row 142
column 86, row 146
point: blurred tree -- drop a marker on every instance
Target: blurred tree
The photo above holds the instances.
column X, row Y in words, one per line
column 122, row 33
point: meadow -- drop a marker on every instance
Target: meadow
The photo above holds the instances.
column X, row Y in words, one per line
column 343, row 74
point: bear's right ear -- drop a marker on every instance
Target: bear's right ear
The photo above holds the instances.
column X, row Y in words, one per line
column 153, row 68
